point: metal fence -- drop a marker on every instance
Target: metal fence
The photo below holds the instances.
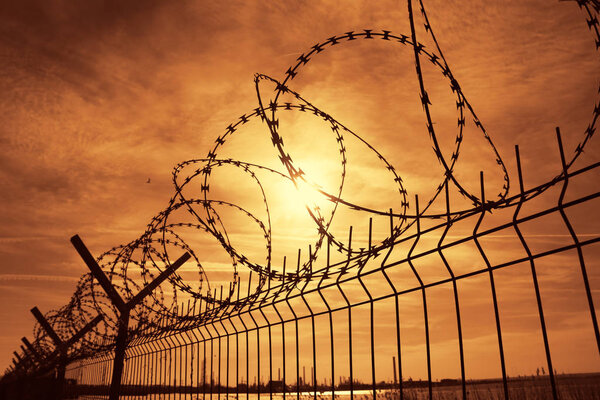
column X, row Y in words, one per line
column 253, row 346
column 324, row 328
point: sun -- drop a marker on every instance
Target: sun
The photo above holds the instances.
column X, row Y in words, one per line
column 297, row 198
column 308, row 194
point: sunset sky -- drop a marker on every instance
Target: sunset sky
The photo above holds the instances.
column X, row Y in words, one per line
column 99, row 97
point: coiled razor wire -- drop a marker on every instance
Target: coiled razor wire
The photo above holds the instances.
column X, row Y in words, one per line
column 149, row 254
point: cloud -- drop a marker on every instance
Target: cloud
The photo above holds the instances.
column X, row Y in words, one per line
column 44, row 278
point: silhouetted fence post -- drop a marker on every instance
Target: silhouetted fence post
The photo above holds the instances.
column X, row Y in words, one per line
column 61, row 350
column 20, row 361
column 123, row 307
column 27, row 359
column 16, row 367
column 62, row 347
column 35, row 355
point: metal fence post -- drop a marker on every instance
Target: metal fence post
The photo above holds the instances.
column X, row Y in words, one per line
column 61, row 350
column 124, row 308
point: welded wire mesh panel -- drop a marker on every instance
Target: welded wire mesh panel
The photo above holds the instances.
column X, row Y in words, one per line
column 347, row 335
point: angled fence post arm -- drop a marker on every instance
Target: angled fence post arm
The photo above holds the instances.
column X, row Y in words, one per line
column 16, row 363
column 95, row 269
column 27, row 358
column 81, row 333
column 32, row 349
column 12, row 368
column 19, row 359
column 158, row 280
column 46, row 326
column 60, row 350
column 60, row 370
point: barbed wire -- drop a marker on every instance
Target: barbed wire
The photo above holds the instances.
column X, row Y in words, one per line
column 132, row 266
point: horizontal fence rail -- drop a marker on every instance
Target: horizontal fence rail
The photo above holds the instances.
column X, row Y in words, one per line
column 255, row 349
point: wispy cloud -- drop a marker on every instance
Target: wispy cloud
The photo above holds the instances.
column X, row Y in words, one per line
column 49, row 278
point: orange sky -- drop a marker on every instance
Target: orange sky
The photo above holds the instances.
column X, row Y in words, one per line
column 97, row 97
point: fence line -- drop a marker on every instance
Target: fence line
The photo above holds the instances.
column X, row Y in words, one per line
column 212, row 352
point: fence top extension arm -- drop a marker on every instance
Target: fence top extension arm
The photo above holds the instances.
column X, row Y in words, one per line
column 110, row 290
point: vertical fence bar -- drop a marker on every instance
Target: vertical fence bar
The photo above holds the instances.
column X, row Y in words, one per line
column 371, row 319
column 396, row 305
column 330, row 315
column 493, row 287
column 538, row 296
column 343, row 269
column 582, row 265
column 423, row 296
column 455, row 292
